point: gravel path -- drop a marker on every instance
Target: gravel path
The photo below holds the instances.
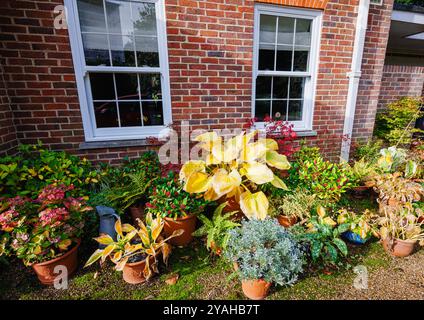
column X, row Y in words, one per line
column 402, row 279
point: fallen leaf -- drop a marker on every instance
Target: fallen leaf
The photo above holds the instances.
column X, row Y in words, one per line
column 172, row 279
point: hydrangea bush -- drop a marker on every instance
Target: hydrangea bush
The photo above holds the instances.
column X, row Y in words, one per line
column 265, row 250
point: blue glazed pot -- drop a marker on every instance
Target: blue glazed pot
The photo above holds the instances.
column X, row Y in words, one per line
column 353, row 237
column 108, row 218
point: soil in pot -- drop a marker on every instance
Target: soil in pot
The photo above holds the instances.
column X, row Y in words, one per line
column 133, row 270
column 188, row 224
column 46, row 270
column 399, row 248
column 255, row 289
column 137, row 212
column 286, row 221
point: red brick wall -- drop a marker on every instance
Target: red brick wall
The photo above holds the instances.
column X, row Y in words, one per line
column 400, row 81
column 210, row 58
column 372, row 69
column 8, row 139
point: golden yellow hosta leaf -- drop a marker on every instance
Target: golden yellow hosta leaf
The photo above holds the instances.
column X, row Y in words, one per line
column 207, row 137
column 321, row 211
column 271, row 144
column 277, row 160
column 104, row 239
column 329, row 221
column 191, row 167
column 258, row 173
column 211, row 195
column 224, row 183
column 197, row 182
column 254, row 205
column 253, row 151
column 118, row 227
column 210, row 160
column 278, row 183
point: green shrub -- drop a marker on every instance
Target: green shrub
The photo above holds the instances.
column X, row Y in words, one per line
column 265, row 250
column 396, row 124
column 325, row 179
column 34, row 168
column 369, row 151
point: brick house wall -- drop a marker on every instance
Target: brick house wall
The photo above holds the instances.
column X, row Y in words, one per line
column 377, row 35
column 400, row 81
column 210, row 47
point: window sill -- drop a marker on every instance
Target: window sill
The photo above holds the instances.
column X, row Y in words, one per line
column 118, row 144
column 306, row 133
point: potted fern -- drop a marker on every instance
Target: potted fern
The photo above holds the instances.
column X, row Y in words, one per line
column 216, row 229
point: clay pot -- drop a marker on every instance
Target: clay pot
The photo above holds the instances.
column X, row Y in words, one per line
column 232, row 206
column 255, row 289
column 188, row 224
column 133, row 272
column 361, row 192
column 399, row 248
column 286, row 221
column 137, row 212
column 45, row 270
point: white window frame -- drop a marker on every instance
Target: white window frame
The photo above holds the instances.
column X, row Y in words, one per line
column 311, row 75
column 83, row 84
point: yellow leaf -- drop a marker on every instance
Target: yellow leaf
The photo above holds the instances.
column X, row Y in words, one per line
column 104, row 239
column 107, row 251
column 258, row 173
column 118, row 227
column 254, row 206
column 321, row 211
column 277, row 160
column 63, row 245
column 278, row 183
column 197, row 182
column 224, row 183
column 271, row 144
column 253, row 151
column 329, row 221
column 121, row 264
column 191, row 167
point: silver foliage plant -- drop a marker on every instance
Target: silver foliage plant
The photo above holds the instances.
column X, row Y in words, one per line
column 265, row 250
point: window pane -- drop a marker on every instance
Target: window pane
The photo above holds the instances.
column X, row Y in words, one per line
column 144, row 18
column 303, row 32
column 285, row 30
column 127, row 86
column 280, row 87
column 102, row 87
column 263, row 87
column 130, row 114
column 284, row 58
column 150, row 86
column 266, row 57
column 96, row 49
column 295, row 110
column 279, row 109
column 262, row 109
column 91, row 15
column 267, row 29
column 119, row 17
column 122, row 50
column 300, row 62
column 152, row 113
column 296, row 87
column 147, row 51
column 106, row 114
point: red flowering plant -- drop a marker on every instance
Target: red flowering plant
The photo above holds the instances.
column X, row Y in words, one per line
column 280, row 131
column 168, row 199
column 43, row 229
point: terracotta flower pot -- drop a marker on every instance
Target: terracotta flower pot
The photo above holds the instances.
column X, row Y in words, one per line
column 361, row 192
column 255, row 289
column 286, row 221
column 133, row 272
column 399, row 248
column 45, row 270
column 137, row 212
column 188, row 224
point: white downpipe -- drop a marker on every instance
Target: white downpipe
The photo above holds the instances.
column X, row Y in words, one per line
column 354, row 75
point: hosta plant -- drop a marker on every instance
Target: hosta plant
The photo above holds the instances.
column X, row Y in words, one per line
column 134, row 245
column 362, row 224
column 264, row 250
column 216, row 229
column 393, row 189
column 40, row 230
column 363, row 171
column 326, row 179
column 234, row 169
column 404, row 223
column 322, row 236
column 391, row 159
